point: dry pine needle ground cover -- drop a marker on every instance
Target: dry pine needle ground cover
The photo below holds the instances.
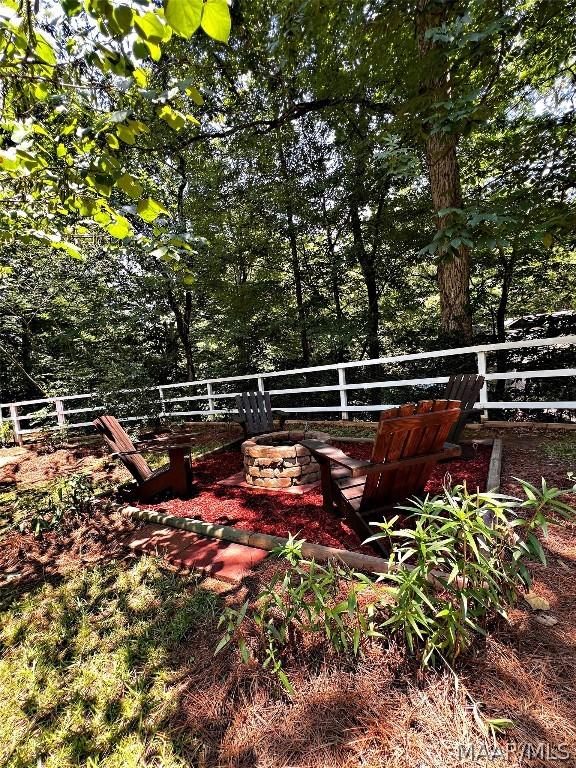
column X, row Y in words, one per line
column 108, row 660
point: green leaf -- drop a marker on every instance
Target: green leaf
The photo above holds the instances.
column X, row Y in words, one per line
column 149, row 209
column 195, row 95
column 70, row 249
column 131, row 186
column 153, row 49
column 112, row 141
column 71, row 7
column 184, row 16
column 223, row 642
column 175, row 119
column 120, row 228
column 244, row 652
column 123, row 16
column 44, row 50
column 216, row 20
column 140, row 77
column 125, row 134
column 286, row 684
column 149, row 27
column 119, row 116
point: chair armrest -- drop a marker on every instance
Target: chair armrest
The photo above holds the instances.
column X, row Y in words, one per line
column 325, row 453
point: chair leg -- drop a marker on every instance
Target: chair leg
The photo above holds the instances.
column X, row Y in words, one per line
column 154, row 485
column 326, row 484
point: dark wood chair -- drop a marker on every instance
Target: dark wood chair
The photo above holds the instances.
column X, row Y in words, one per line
column 176, row 476
column 255, row 414
column 410, row 440
column 466, row 388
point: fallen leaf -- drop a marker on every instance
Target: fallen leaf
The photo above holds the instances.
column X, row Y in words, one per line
column 536, row 602
column 546, row 619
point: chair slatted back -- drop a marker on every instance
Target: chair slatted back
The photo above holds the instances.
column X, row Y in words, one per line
column 405, row 432
column 466, row 388
column 256, row 411
column 118, row 440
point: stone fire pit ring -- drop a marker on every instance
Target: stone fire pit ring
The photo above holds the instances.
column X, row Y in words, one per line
column 277, row 460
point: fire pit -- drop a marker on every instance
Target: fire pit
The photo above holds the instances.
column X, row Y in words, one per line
column 278, row 460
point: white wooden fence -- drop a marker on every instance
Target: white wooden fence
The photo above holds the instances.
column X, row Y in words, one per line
column 169, row 404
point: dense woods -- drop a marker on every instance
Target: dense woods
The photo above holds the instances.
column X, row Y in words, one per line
column 335, row 181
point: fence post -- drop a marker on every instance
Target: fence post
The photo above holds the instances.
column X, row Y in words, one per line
column 16, row 424
column 210, row 400
column 162, row 404
column 260, row 384
column 344, row 416
column 60, row 415
column 482, row 372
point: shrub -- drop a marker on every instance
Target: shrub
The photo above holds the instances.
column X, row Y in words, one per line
column 307, row 598
column 466, row 558
column 461, row 565
column 39, row 512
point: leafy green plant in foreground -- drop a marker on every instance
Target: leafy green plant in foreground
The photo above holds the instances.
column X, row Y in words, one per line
column 462, row 564
column 307, row 598
column 40, row 512
column 467, row 557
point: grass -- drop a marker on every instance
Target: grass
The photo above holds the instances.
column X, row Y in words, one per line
column 336, row 428
column 563, row 449
column 90, row 669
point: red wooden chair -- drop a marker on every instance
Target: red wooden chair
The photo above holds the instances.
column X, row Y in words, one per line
column 176, row 476
column 466, row 388
column 410, row 440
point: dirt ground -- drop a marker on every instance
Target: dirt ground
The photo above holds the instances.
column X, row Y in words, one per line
column 375, row 712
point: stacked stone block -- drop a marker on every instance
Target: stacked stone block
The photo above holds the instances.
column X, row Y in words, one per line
column 269, row 464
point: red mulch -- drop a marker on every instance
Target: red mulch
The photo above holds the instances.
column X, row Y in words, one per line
column 278, row 513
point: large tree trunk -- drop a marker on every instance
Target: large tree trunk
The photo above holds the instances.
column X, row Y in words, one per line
column 444, row 174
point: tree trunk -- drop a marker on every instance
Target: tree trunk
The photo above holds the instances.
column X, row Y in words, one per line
column 183, row 319
column 453, row 273
column 296, row 266
column 507, row 272
column 340, row 352
column 366, row 262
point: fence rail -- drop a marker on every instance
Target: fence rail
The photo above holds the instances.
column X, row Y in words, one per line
column 10, row 413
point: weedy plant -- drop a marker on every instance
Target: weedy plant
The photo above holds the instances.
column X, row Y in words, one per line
column 307, row 598
column 462, row 564
column 68, row 497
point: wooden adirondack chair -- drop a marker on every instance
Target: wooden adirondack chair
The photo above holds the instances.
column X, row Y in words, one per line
column 255, row 414
column 466, row 388
column 176, row 476
column 410, row 440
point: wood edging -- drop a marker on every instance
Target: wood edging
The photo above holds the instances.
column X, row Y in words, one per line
column 355, row 560
column 260, row 540
column 495, row 467
column 535, row 425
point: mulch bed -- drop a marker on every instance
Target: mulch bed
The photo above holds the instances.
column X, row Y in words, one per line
column 279, row 514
